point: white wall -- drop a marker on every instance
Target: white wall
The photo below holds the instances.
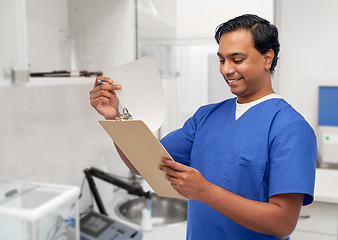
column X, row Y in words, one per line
column 308, row 57
column 192, row 21
column 49, row 132
column 194, row 81
column 156, row 20
column 197, row 19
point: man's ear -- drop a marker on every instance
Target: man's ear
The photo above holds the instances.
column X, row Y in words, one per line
column 268, row 57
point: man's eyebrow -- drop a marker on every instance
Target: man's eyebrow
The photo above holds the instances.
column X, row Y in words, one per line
column 233, row 54
column 237, row 53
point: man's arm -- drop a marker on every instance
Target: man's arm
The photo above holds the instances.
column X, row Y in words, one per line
column 278, row 217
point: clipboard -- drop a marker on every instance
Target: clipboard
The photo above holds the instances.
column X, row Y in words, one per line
column 143, row 150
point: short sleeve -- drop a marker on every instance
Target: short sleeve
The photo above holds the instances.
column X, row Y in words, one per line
column 293, row 155
column 179, row 142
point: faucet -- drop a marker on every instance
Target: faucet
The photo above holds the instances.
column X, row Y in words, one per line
column 135, row 179
column 130, row 188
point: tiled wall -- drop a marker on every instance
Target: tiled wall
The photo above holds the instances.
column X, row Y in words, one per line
column 51, row 134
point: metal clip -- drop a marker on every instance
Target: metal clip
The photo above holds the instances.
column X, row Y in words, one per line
column 125, row 115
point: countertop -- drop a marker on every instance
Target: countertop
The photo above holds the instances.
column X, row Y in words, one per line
column 326, row 190
column 175, row 231
column 326, row 187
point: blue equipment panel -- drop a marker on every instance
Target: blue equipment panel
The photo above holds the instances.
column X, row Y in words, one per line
column 328, row 106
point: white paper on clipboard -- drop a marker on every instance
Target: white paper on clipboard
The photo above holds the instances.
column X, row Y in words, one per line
column 142, row 90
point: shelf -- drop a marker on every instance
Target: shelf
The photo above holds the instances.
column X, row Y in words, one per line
column 51, row 81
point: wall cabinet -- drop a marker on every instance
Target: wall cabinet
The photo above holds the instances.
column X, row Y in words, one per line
column 317, row 221
column 66, row 35
column 300, row 235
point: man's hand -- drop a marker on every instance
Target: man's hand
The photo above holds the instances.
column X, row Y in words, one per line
column 104, row 99
column 187, row 181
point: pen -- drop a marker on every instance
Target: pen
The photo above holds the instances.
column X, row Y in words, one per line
column 101, row 82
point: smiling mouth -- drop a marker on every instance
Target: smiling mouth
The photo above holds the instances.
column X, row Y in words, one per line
column 233, row 80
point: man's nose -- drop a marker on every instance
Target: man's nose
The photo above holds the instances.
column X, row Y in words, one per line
column 227, row 69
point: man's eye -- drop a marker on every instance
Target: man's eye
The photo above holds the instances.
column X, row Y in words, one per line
column 221, row 60
column 238, row 60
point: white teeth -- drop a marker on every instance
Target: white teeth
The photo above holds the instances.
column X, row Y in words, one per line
column 233, row 80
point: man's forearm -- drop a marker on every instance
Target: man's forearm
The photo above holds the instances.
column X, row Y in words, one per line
column 268, row 218
column 278, row 217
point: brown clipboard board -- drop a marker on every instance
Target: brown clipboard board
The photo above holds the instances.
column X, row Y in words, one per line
column 143, row 150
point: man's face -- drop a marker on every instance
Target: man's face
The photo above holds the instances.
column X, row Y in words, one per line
column 243, row 67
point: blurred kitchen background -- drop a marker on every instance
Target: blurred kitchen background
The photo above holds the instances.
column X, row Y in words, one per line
column 48, row 130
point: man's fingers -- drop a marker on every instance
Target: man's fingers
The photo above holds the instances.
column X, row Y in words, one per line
column 98, row 101
column 174, row 165
column 101, row 93
column 106, row 87
column 102, row 79
column 167, row 170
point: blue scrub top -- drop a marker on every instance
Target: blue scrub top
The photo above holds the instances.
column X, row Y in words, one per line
column 269, row 150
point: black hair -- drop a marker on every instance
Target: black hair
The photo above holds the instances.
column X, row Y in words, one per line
column 265, row 35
